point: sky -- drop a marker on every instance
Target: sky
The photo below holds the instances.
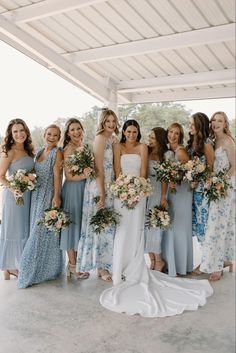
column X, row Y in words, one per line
column 37, row 95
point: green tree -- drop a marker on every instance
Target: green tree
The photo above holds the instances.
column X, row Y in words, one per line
column 147, row 115
column 89, row 121
column 232, row 127
column 61, row 122
column 156, row 114
column 37, row 137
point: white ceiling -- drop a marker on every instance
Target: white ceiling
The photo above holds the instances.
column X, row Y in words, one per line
column 129, row 51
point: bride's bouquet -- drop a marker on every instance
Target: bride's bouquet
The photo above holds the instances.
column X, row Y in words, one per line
column 105, row 217
column 170, row 171
column 54, row 219
column 80, row 159
column 21, row 181
column 196, row 171
column 217, row 185
column 158, row 217
column 129, row 189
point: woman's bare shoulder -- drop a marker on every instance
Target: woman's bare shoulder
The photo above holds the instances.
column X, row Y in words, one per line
column 143, row 146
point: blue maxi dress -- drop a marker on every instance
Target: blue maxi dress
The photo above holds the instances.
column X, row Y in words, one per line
column 153, row 236
column 177, row 242
column 72, row 202
column 42, row 258
column 15, row 221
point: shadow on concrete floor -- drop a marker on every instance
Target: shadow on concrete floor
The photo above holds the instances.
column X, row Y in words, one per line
column 64, row 316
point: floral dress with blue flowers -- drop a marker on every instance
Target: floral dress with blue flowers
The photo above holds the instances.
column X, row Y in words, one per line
column 96, row 250
column 42, row 258
column 200, row 205
column 220, row 233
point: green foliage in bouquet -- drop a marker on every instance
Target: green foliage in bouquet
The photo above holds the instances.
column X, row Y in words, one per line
column 105, row 217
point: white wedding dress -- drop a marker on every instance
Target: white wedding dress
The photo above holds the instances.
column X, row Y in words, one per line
column 136, row 289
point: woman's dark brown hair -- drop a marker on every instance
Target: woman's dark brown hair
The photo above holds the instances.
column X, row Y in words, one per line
column 130, row 122
column 8, row 141
column 66, row 138
column 202, row 127
column 161, row 138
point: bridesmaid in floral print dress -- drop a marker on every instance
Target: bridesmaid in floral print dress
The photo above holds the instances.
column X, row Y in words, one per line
column 42, row 258
column 96, row 251
column 218, row 247
column 200, row 145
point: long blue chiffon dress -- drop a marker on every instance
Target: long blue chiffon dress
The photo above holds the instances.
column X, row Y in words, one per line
column 177, row 242
column 15, row 221
column 42, row 258
column 72, row 202
column 153, row 236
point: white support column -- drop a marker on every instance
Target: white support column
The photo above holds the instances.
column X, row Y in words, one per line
column 112, row 93
column 112, row 103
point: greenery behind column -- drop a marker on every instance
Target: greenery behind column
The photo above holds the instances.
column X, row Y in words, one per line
column 147, row 115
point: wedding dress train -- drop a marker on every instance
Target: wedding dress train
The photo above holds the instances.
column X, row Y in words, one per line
column 136, row 289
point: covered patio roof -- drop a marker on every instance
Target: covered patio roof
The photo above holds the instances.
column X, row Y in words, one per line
column 129, row 51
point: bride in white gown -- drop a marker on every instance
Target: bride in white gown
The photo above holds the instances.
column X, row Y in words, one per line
column 136, row 289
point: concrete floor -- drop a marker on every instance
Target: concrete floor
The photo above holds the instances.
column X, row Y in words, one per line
column 65, row 316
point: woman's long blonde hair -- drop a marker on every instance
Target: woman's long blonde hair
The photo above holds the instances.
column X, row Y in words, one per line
column 226, row 129
column 103, row 117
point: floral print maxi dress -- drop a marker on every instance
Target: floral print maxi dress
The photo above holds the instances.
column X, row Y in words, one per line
column 42, row 258
column 220, row 233
column 200, row 206
column 96, row 250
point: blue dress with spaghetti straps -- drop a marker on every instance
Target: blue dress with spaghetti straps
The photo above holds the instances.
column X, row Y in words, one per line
column 15, row 221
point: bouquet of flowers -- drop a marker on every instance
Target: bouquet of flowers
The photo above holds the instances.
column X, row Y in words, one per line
column 129, row 189
column 196, row 171
column 103, row 218
column 21, row 181
column 80, row 159
column 158, row 217
column 170, row 171
column 217, row 185
column 54, row 219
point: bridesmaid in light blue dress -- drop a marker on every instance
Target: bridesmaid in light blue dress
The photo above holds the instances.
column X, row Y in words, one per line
column 42, row 258
column 200, row 145
column 177, row 241
column 96, row 251
column 158, row 151
column 72, row 196
column 17, row 153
